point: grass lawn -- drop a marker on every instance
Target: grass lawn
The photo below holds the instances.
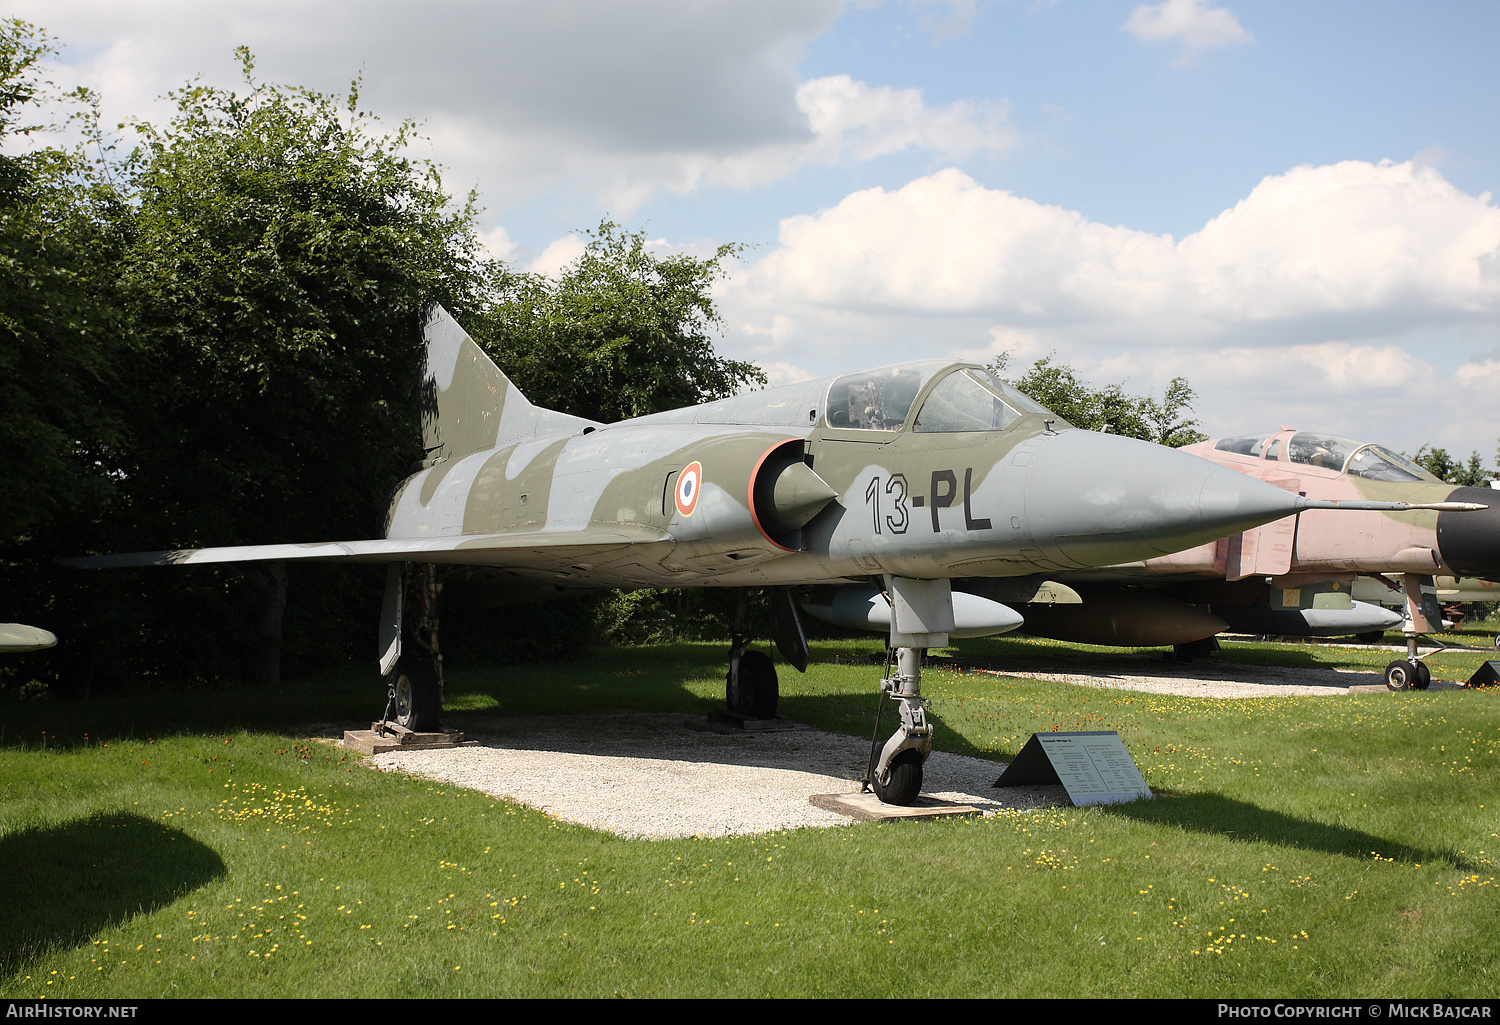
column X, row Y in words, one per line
column 200, row 844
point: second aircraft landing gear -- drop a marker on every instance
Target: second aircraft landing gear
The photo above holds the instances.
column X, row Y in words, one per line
column 1407, row 674
column 1422, row 611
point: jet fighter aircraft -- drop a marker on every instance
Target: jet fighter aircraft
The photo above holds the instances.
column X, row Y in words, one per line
column 907, row 475
column 1295, row 575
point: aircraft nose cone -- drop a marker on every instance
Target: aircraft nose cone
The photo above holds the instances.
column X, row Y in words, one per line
column 1469, row 542
column 1106, row 499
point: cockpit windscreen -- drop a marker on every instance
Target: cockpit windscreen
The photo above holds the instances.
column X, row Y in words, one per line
column 1378, row 463
column 1331, row 452
column 973, row 400
column 1355, row 458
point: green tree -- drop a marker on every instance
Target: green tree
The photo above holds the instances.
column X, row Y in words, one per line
column 1440, row 464
column 242, row 294
column 55, row 328
column 620, row 333
column 279, row 253
column 1110, row 409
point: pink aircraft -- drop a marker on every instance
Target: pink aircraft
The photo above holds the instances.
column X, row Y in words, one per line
column 1293, row 576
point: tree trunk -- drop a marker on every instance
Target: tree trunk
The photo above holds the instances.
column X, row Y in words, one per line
column 268, row 671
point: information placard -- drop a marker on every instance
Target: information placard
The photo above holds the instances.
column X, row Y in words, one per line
column 1093, row 767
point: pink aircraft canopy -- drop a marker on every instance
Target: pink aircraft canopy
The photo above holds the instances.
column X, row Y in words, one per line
column 1331, row 452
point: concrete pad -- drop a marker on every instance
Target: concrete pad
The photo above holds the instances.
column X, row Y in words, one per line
column 376, row 741
column 645, row 775
column 867, row 807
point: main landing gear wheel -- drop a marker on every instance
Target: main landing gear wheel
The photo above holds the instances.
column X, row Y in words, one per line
column 416, row 695
column 1194, row 649
column 1403, row 674
column 756, row 692
column 1424, row 676
column 903, row 780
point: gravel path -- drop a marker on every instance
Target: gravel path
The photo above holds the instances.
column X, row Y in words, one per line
column 646, row 775
column 1204, row 678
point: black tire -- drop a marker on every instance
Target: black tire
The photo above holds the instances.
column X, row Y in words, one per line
column 1401, row 675
column 1195, row 649
column 903, row 779
column 1424, row 676
column 758, row 691
column 418, row 703
column 1370, row 637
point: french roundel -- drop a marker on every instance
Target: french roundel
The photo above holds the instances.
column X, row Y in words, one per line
column 689, row 483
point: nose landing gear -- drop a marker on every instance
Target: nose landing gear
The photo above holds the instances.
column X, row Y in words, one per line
column 895, row 770
column 921, row 617
column 1411, row 673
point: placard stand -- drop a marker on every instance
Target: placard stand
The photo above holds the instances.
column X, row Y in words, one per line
column 1093, row 767
column 1487, row 675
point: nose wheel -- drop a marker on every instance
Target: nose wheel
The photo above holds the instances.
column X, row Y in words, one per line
column 895, row 770
column 902, row 781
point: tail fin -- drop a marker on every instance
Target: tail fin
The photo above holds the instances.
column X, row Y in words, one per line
column 467, row 404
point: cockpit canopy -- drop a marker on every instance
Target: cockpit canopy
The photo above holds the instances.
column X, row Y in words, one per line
column 1331, row 452
column 965, row 399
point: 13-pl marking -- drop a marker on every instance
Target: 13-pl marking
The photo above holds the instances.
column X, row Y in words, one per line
column 944, row 490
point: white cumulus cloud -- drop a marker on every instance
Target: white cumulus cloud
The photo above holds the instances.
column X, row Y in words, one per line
column 616, row 99
column 1308, row 294
column 1192, row 22
column 1374, row 248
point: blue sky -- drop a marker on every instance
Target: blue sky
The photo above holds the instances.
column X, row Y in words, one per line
column 1286, row 203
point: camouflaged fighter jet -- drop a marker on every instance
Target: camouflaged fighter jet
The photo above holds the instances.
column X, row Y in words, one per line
column 1296, row 575
column 907, row 476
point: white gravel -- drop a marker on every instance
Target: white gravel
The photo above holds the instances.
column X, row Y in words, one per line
column 1204, row 678
column 649, row 775
column 646, row 775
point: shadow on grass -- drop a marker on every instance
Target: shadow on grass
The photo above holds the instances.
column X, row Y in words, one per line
column 626, row 679
column 1240, row 822
column 62, row 884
